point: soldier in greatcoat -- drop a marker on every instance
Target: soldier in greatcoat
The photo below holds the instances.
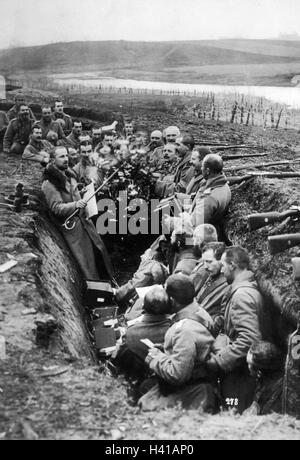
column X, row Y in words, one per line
column 62, row 196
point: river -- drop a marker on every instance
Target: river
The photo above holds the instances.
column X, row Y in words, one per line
column 282, row 95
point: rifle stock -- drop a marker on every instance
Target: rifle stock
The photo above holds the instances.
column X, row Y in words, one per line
column 296, row 267
column 256, row 221
column 280, row 243
column 233, row 180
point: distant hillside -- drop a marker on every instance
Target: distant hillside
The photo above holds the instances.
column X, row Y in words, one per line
column 148, row 55
column 282, row 48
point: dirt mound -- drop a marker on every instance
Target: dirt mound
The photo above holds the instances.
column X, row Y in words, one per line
column 31, row 291
column 46, row 396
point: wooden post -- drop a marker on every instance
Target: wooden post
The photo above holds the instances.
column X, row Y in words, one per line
column 248, row 116
column 234, row 110
column 279, row 118
column 242, row 115
column 213, row 112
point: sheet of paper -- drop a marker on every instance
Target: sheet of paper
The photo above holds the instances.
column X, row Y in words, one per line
column 91, row 209
column 148, row 343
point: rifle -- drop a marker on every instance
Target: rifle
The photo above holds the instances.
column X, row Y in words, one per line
column 278, row 175
column 233, row 146
column 233, row 180
column 262, row 165
column 259, row 220
column 279, row 243
column 250, row 155
column 296, row 267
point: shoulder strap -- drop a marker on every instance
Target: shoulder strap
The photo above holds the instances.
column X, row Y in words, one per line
column 201, row 321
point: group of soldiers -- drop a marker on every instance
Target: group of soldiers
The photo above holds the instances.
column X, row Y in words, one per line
column 202, row 307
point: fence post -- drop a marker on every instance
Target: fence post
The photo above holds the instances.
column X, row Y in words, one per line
column 242, row 115
column 234, row 109
column 279, row 118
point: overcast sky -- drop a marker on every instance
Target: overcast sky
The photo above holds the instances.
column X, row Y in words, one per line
column 35, row 22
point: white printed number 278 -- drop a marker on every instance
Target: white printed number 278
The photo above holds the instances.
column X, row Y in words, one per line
column 232, row 402
column 296, row 347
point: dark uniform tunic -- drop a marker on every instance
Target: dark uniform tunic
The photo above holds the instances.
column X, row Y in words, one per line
column 211, row 203
column 17, row 135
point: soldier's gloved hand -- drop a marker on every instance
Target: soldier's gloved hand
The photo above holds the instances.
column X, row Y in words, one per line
column 81, row 204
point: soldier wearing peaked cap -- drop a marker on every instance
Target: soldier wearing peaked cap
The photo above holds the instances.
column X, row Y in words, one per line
column 14, row 111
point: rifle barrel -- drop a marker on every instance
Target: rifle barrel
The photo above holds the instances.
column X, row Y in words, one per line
column 232, row 180
column 251, row 175
column 260, row 165
column 250, row 155
column 279, row 243
column 231, row 147
column 296, row 267
column 278, row 175
column 259, row 220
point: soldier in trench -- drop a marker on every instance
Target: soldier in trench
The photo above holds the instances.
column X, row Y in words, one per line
column 14, row 111
column 62, row 196
column 59, row 114
column 38, row 149
column 18, row 132
column 243, row 304
column 180, row 369
column 47, row 124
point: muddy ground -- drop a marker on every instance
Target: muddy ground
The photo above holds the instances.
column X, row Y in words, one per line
column 59, row 392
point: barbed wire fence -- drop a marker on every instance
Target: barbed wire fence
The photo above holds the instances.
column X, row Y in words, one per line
column 236, row 108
